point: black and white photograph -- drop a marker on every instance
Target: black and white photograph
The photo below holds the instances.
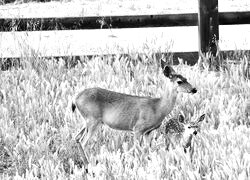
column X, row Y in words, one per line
column 125, row 89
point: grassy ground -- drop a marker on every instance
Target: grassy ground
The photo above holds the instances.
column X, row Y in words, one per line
column 37, row 127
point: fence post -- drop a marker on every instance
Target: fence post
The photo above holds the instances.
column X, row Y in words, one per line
column 208, row 25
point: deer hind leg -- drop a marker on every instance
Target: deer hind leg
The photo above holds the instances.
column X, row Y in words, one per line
column 78, row 139
column 83, row 137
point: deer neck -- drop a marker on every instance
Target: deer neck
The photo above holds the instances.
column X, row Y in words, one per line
column 167, row 101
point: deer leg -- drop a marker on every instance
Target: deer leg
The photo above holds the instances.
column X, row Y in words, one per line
column 83, row 137
column 148, row 140
column 138, row 139
column 80, row 134
column 78, row 139
column 137, row 142
column 167, row 143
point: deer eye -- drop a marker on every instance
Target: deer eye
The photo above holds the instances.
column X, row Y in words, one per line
column 179, row 82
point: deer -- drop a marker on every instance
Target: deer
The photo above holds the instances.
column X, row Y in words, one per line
column 178, row 132
column 137, row 114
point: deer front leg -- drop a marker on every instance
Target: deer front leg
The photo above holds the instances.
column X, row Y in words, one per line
column 136, row 144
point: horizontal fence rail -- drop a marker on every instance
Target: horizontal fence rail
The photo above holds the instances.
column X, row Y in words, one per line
column 74, row 23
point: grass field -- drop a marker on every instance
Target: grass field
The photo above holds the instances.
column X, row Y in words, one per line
column 37, row 127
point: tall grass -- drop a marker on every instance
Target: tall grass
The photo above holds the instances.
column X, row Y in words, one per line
column 37, row 127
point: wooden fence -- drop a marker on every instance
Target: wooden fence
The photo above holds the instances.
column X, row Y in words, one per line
column 138, row 21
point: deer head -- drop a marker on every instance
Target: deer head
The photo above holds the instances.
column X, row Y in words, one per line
column 179, row 132
column 181, row 83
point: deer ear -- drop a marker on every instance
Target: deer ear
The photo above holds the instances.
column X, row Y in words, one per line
column 181, row 118
column 168, row 71
column 163, row 64
column 201, row 118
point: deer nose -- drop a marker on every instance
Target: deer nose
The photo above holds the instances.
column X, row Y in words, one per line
column 194, row 90
column 195, row 132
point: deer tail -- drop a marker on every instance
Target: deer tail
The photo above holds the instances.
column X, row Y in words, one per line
column 73, row 107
